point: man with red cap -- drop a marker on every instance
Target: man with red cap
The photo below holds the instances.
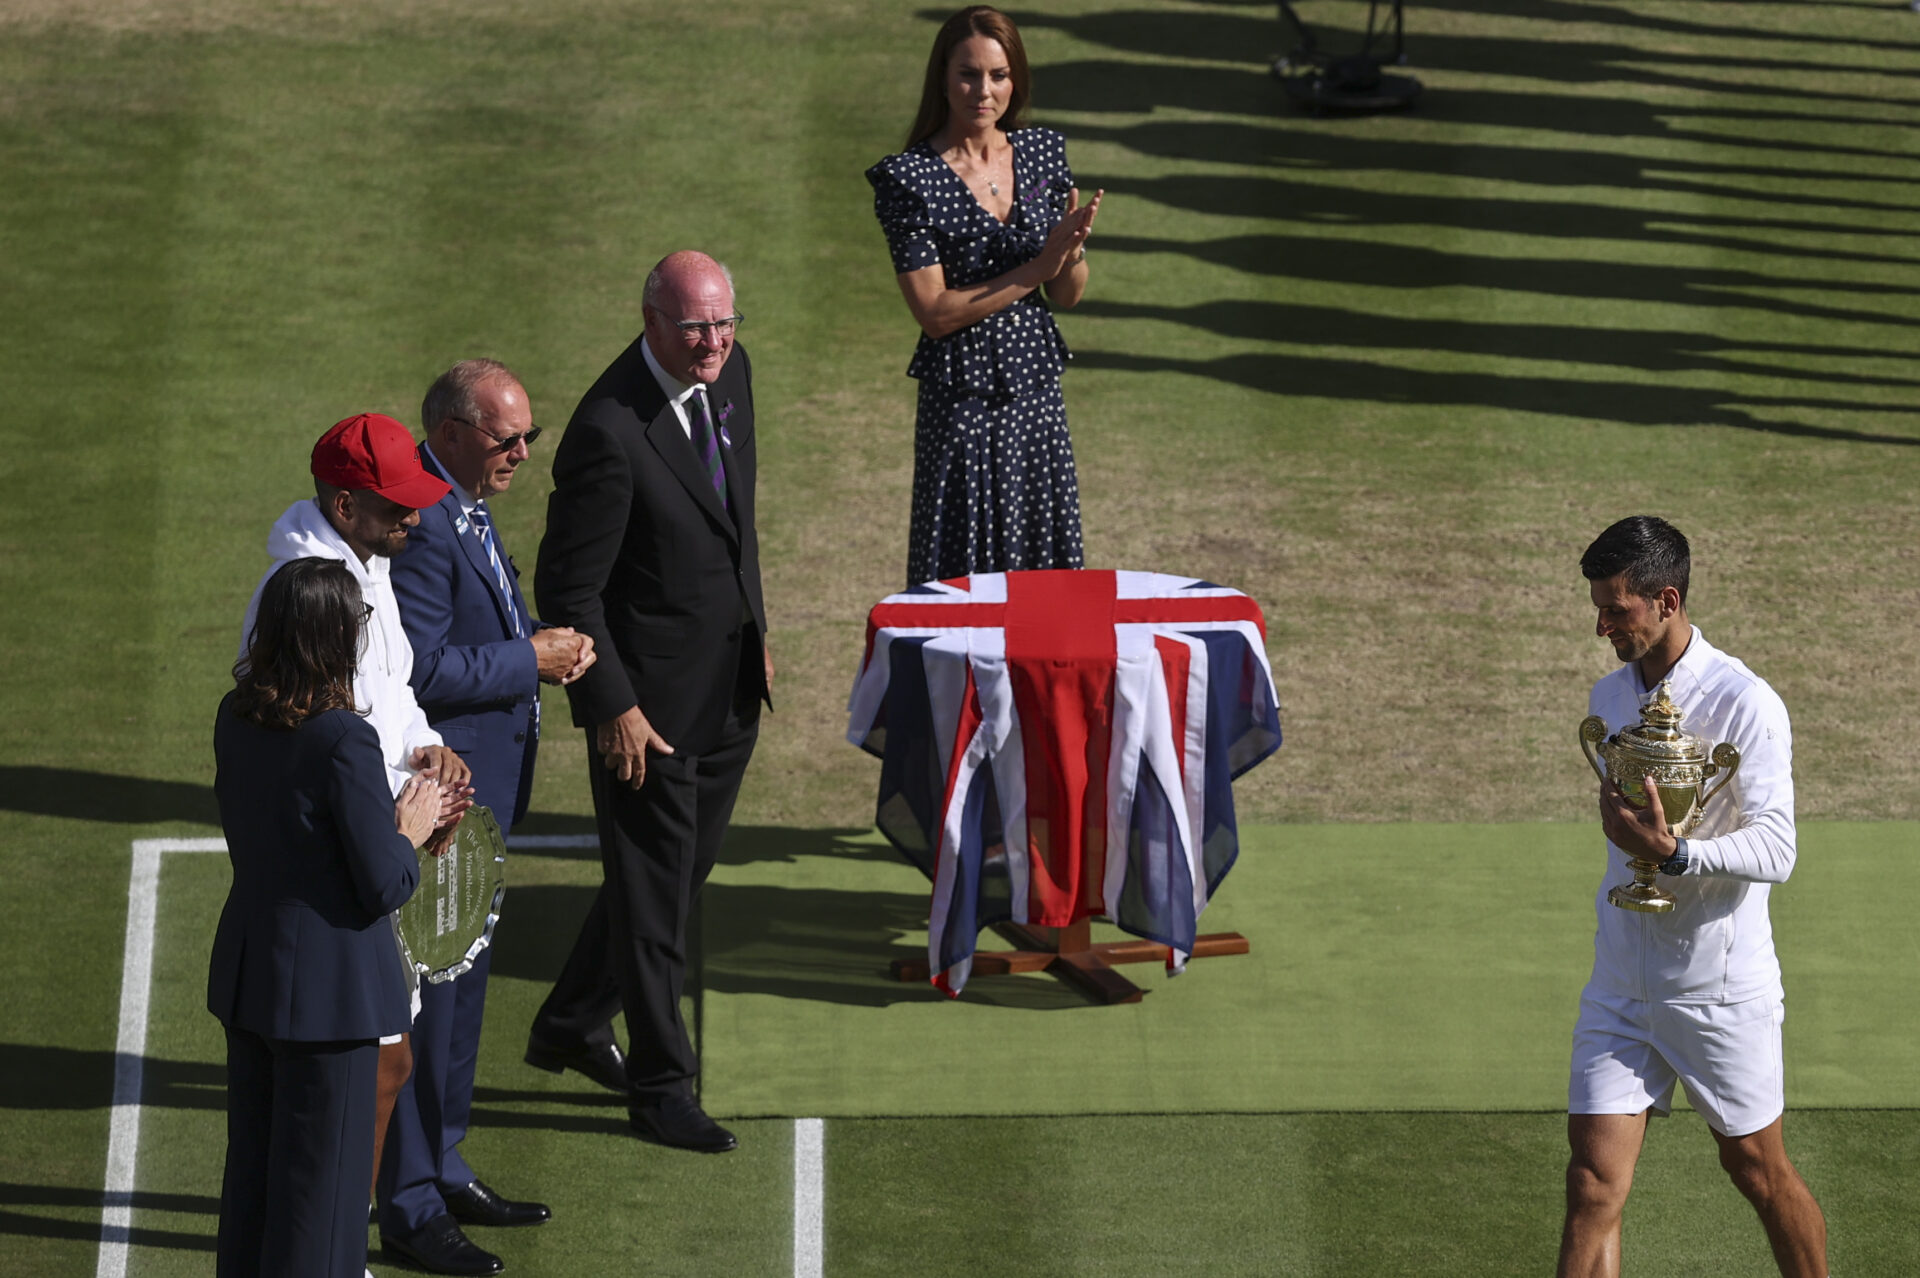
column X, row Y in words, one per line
column 369, row 487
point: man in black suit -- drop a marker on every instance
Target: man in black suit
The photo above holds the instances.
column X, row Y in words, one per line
column 650, row 550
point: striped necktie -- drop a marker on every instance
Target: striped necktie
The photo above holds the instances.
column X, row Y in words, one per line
column 483, row 524
column 707, row 444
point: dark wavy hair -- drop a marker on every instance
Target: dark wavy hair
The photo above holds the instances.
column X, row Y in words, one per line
column 975, row 20
column 1649, row 550
column 305, row 641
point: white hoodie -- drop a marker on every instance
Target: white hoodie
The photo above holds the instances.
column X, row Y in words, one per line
column 380, row 687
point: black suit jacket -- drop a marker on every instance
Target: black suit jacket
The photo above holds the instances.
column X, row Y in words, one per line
column 640, row 553
column 304, row 950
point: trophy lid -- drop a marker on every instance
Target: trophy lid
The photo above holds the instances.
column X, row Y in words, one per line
column 1657, row 737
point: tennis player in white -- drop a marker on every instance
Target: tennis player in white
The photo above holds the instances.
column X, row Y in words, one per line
column 1691, row 996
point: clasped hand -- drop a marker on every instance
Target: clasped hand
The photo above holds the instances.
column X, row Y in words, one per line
column 563, row 653
column 1639, row 832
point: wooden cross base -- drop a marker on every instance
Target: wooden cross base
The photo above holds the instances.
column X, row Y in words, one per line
column 1068, row 953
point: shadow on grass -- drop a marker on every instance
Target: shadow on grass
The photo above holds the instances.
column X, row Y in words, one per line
column 37, row 1077
column 26, row 1225
column 1346, row 261
column 18, row 1195
column 102, row 796
column 1628, row 403
column 1745, row 197
column 20, row 1224
column 1648, row 349
column 1654, row 63
column 827, row 944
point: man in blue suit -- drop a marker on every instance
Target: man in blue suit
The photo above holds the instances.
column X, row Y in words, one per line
column 479, row 660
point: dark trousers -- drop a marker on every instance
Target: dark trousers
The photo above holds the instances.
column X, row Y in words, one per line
column 430, row 1114
column 657, row 846
column 293, row 1201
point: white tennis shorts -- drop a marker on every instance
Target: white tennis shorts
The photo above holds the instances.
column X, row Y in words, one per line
column 1628, row 1054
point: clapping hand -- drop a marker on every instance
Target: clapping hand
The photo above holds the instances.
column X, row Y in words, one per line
column 1062, row 250
column 417, row 808
column 452, row 772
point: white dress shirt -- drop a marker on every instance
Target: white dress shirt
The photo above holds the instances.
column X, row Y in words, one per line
column 677, row 391
column 1716, row 945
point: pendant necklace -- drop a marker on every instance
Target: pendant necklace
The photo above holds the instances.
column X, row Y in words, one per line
column 993, row 185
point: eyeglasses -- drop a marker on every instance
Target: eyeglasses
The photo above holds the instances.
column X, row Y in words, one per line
column 366, row 613
column 694, row 330
column 505, row 443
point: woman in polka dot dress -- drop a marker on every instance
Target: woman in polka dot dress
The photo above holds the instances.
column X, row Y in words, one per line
column 982, row 216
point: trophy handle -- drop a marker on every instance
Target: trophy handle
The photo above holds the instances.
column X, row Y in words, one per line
column 1726, row 757
column 1593, row 730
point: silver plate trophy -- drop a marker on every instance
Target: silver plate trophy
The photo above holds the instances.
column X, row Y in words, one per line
column 451, row 916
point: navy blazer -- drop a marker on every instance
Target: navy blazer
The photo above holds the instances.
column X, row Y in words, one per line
column 640, row 553
column 304, row 950
column 475, row 681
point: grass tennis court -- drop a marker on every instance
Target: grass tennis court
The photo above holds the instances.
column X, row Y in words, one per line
column 1387, row 375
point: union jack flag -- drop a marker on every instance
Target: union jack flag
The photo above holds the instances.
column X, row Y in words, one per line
column 1061, row 744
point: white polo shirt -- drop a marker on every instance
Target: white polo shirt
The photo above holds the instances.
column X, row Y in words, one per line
column 1716, row 945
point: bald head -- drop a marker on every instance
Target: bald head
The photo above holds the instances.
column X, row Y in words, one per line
column 688, row 307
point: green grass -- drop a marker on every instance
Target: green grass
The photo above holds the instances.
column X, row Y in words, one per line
column 1376, row 1087
column 1388, row 375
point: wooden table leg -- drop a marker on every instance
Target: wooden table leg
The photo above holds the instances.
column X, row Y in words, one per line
column 1069, row 953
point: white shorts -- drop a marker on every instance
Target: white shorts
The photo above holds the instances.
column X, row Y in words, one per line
column 1628, row 1054
column 407, row 974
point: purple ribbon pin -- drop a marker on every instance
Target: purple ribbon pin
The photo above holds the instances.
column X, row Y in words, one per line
column 726, row 411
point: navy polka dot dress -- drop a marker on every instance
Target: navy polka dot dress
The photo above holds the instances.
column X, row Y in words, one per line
column 993, row 482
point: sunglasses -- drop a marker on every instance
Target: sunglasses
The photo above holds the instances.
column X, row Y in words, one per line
column 505, row 443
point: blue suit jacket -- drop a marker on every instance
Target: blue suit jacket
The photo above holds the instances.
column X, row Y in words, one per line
column 304, row 950
column 476, row 682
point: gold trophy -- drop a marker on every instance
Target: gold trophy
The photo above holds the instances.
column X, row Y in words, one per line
column 1678, row 763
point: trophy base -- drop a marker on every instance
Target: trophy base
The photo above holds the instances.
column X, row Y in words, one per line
column 1642, row 898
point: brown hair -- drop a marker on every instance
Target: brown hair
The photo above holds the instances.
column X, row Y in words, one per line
column 305, row 641
column 976, row 20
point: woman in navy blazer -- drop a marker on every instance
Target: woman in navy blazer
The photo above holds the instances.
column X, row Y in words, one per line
column 305, row 974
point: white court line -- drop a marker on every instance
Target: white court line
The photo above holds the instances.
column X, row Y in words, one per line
column 136, row 986
column 129, row 1049
column 809, row 1197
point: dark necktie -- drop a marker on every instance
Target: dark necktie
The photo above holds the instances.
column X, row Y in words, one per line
column 707, row 444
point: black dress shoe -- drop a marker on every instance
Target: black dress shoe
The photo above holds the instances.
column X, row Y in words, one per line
column 680, row 1122
column 440, row 1248
column 605, row 1064
column 478, row 1205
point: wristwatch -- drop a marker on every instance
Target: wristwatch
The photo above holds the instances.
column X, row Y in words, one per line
column 1676, row 864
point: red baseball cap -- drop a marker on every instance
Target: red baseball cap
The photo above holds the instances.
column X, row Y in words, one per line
column 371, row 452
